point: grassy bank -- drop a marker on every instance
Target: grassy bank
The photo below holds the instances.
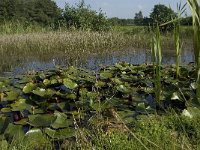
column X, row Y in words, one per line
column 170, row 132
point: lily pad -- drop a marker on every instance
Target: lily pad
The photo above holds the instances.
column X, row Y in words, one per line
column 46, row 82
column 68, row 83
column 61, row 121
column 4, row 121
column 6, row 110
column 43, row 120
column 22, row 122
column 123, row 89
column 21, row 105
column 106, row 75
column 11, row 96
column 29, row 88
column 14, row 131
column 43, row 92
column 36, row 139
column 61, row 133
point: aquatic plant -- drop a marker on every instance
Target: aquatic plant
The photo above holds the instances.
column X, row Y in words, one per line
column 195, row 9
column 157, row 60
column 178, row 44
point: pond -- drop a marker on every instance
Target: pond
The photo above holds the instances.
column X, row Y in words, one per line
column 21, row 65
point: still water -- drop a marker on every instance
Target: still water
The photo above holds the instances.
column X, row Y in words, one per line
column 93, row 61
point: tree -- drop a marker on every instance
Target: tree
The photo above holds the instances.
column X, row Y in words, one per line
column 82, row 17
column 187, row 21
column 138, row 19
column 11, row 9
column 44, row 12
column 162, row 14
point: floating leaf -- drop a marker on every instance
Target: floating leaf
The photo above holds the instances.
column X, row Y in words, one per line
column 71, row 96
column 11, row 96
column 4, row 121
column 116, row 81
column 141, row 107
column 36, row 139
column 69, row 84
column 6, row 110
column 21, row 122
column 175, row 96
column 44, row 120
column 42, row 75
column 123, row 89
column 14, row 131
column 54, row 81
column 21, row 105
column 43, row 92
column 29, row 87
column 61, row 121
column 106, row 75
column 39, row 91
column 61, row 133
column 46, row 82
column 100, row 84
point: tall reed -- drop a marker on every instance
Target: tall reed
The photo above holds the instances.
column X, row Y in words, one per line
column 157, row 59
column 195, row 9
column 178, row 47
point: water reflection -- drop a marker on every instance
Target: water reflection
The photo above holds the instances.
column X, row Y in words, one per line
column 92, row 62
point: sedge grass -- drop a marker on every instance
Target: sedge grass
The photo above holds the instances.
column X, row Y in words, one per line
column 181, row 10
column 178, row 48
column 157, row 60
column 195, row 9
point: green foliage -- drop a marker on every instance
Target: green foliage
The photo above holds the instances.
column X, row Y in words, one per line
column 138, row 19
column 122, row 22
column 43, row 12
column 195, row 9
column 162, row 14
column 82, row 17
column 187, row 21
column 157, row 60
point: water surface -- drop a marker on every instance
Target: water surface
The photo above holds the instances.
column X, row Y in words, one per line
column 92, row 62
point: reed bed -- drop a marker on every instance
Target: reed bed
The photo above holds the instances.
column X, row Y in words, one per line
column 74, row 45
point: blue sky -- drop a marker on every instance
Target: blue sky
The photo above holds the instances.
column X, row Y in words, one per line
column 123, row 8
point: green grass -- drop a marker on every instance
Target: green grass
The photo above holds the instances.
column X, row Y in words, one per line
column 171, row 131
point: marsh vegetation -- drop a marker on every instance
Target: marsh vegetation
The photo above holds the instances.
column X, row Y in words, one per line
column 78, row 83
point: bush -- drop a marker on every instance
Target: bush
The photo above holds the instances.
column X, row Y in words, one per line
column 82, row 17
column 162, row 14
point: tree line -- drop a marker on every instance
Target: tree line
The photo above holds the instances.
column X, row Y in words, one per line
column 47, row 13
column 160, row 14
column 80, row 16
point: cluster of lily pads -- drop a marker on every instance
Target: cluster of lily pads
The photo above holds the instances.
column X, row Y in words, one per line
column 50, row 104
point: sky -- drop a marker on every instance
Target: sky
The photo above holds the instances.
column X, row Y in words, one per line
column 123, row 8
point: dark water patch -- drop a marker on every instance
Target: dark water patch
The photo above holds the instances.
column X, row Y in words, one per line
column 91, row 62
